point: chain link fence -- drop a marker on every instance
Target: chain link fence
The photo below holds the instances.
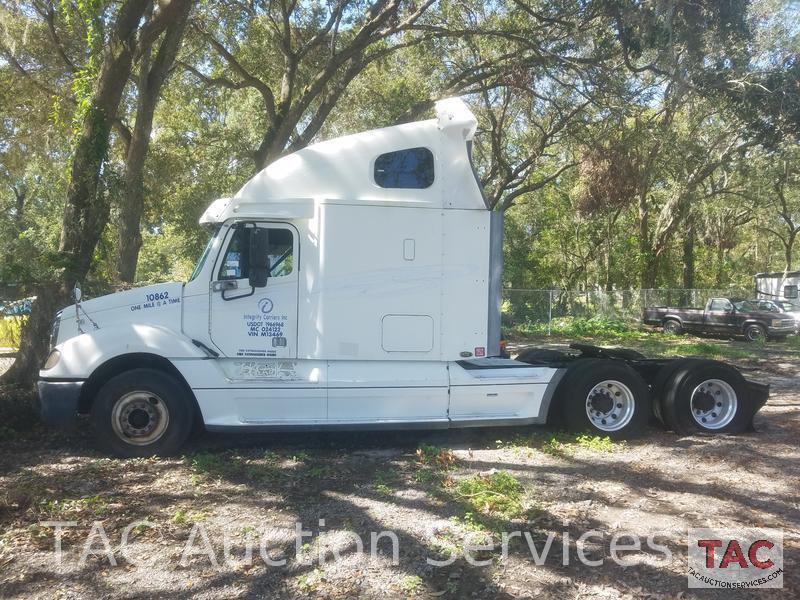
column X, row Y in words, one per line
column 538, row 310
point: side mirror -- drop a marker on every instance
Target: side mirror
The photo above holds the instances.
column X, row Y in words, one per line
column 259, row 257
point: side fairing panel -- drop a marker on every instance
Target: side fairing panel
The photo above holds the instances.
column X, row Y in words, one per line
column 509, row 391
column 241, row 392
column 387, row 391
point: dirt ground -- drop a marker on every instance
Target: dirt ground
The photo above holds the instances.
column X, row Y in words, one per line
column 342, row 487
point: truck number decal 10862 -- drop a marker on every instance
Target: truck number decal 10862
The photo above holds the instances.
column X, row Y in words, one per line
column 156, row 296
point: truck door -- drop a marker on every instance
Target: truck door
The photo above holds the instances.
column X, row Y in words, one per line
column 256, row 322
column 719, row 316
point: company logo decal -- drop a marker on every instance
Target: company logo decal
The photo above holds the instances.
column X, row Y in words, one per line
column 735, row 558
column 265, row 305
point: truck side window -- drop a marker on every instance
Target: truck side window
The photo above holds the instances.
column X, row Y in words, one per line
column 720, row 305
column 409, row 169
column 236, row 261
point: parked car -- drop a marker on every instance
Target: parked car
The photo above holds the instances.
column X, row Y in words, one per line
column 783, row 307
column 17, row 308
column 729, row 316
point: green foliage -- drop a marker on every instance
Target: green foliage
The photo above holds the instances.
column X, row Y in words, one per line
column 497, row 494
column 384, row 480
column 559, row 444
column 411, row 584
column 600, row 192
column 580, row 327
column 10, row 328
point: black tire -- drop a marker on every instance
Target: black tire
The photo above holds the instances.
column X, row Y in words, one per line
column 755, row 332
column 672, row 326
column 661, row 380
column 540, row 355
column 142, row 398
column 684, row 415
column 580, row 383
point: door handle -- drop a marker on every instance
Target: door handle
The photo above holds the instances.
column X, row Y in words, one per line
column 221, row 286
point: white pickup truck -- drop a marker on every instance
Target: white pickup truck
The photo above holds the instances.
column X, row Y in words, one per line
column 353, row 284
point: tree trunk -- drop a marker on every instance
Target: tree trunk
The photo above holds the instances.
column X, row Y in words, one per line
column 688, row 255
column 648, row 257
column 151, row 81
column 719, row 279
column 273, row 143
column 788, row 251
column 19, row 208
column 86, row 210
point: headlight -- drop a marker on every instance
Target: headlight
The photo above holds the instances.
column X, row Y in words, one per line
column 778, row 322
column 54, row 330
column 52, row 360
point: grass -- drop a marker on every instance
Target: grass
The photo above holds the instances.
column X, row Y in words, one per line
column 433, row 465
column 308, row 582
column 559, row 444
column 434, row 456
column 595, row 327
column 384, row 480
column 495, row 495
column 651, row 342
column 183, row 516
column 411, row 584
column 95, row 506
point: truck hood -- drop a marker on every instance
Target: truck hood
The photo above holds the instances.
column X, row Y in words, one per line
column 762, row 314
column 150, row 294
column 158, row 304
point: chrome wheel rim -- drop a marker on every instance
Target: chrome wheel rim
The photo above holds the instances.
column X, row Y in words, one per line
column 754, row 334
column 610, row 405
column 713, row 404
column 140, row 418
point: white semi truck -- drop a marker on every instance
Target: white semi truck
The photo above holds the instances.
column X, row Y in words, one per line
column 354, row 284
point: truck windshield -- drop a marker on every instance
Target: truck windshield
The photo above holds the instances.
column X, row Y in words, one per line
column 204, row 256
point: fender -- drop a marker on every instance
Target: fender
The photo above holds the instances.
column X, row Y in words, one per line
column 671, row 317
column 82, row 354
column 753, row 321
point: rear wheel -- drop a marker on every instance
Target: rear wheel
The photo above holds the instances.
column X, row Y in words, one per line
column 672, row 326
column 706, row 396
column 662, row 379
column 142, row 412
column 605, row 397
column 755, row 332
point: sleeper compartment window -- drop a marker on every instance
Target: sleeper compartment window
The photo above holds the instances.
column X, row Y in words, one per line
column 410, row 169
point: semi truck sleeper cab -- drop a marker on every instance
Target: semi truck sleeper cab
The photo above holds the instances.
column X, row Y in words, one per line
column 353, row 284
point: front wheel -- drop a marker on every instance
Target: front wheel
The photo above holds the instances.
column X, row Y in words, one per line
column 142, row 412
column 755, row 333
column 605, row 397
